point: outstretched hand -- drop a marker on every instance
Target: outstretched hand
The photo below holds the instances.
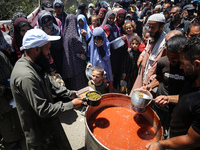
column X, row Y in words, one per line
column 162, row 100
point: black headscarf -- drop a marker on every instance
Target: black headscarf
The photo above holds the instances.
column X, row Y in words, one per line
column 81, row 9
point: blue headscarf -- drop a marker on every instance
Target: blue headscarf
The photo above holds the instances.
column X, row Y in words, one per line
column 85, row 27
column 95, row 57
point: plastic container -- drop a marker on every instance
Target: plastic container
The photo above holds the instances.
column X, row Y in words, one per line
column 123, row 85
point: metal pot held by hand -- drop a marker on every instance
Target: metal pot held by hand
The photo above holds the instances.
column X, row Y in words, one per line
column 93, row 98
column 140, row 99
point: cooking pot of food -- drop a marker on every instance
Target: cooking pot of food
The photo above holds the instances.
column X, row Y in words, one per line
column 113, row 125
column 141, row 98
column 93, row 98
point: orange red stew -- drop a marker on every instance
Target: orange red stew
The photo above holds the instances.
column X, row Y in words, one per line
column 120, row 128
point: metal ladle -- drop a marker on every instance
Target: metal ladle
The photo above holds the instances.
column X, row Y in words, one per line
column 140, row 99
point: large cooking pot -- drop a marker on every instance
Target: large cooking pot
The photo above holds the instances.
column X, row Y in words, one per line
column 116, row 100
column 141, row 98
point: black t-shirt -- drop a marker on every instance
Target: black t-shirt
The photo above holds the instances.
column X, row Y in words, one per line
column 186, row 112
column 103, row 88
column 183, row 26
column 171, row 78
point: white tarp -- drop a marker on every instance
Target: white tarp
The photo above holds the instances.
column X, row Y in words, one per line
column 5, row 25
column 32, row 19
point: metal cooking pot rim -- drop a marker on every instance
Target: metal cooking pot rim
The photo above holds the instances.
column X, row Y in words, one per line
column 146, row 97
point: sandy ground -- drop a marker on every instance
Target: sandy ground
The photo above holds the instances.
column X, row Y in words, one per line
column 74, row 126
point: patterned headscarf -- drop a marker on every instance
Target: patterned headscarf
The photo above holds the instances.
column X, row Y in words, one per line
column 72, row 65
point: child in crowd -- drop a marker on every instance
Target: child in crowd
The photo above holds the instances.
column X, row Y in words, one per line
column 145, row 40
column 95, row 22
column 97, row 82
column 130, row 69
column 83, row 29
column 99, row 53
column 128, row 17
column 129, row 27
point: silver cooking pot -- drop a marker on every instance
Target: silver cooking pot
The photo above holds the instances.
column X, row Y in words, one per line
column 117, row 43
column 141, row 98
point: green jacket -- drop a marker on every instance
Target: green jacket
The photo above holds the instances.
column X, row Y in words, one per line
column 32, row 91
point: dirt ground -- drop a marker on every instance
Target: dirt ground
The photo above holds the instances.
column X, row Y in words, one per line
column 74, row 126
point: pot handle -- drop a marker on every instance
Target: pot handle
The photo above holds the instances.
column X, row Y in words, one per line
column 85, row 99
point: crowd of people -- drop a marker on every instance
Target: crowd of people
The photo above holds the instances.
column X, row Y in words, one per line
column 161, row 54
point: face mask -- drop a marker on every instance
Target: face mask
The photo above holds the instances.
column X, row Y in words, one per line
column 126, row 21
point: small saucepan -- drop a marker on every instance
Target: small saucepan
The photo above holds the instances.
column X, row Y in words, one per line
column 93, row 98
column 141, row 98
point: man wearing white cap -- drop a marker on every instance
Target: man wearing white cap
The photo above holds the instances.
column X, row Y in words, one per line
column 153, row 51
column 33, row 88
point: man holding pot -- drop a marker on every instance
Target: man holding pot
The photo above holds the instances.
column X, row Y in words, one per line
column 33, row 87
column 185, row 122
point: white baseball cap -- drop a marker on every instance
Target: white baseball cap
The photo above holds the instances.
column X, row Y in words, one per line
column 157, row 18
column 36, row 38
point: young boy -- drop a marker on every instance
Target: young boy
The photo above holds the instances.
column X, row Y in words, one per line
column 130, row 69
column 97, row 82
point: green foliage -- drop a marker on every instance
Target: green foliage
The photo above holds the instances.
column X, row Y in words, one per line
column 9, row 7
